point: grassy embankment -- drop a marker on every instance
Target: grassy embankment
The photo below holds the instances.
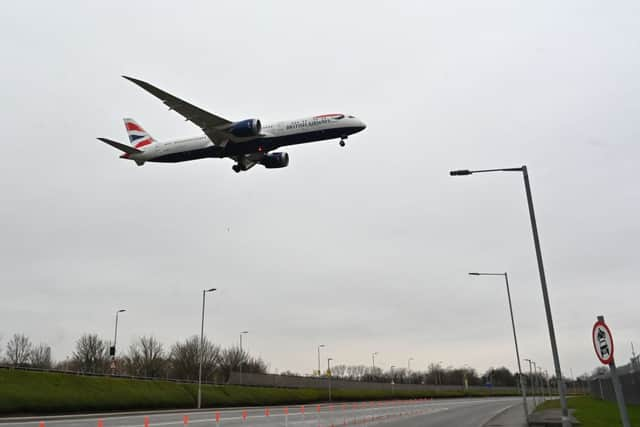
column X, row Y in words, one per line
column 596, row 413
column 23, row 392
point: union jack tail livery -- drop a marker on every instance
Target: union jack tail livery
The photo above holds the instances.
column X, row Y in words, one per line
column 137, row 136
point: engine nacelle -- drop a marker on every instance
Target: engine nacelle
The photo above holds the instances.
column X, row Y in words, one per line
column 250, row 127
column 275, row 160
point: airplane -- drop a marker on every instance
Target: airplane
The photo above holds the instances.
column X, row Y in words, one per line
column 248, row 142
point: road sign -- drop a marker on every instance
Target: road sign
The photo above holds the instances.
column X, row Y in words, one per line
column 602, row 342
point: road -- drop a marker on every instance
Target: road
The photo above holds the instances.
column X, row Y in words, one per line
column 471, row 412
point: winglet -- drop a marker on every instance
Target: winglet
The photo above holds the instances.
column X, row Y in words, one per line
column 159, row 93
column 131, row 79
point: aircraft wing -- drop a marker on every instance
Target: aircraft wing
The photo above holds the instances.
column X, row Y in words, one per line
column 213, row 126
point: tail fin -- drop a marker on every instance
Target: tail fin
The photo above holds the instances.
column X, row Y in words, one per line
column 137, row 136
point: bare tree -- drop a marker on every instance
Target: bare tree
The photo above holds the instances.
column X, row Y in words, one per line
column 91, row 354
column 40, row 357
column 500, row 377
column 146, row 358
column 356, row 372
column 255, row 365
column 19, row 350
column 230, row 360
column 185, row 359
column 338, row 371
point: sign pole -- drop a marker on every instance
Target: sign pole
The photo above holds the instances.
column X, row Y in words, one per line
column 603, row 344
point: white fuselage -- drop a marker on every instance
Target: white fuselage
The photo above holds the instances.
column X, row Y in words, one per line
column 272, row 135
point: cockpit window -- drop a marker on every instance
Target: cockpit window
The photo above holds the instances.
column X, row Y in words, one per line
column 351, row 117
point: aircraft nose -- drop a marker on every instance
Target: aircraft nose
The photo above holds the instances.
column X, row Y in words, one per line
column 361, row 125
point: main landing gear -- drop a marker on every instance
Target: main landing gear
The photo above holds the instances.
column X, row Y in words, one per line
column 342, row 143
column 236, row 168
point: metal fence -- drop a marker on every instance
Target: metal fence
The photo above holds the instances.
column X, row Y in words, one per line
column 290, row 381
column 601, row 386
column 98, row 374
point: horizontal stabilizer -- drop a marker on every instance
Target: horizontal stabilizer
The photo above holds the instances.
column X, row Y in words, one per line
column 120, row 146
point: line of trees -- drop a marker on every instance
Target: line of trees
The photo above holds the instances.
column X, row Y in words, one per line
column 435, row 374
column 145, row 357
column 20, row 351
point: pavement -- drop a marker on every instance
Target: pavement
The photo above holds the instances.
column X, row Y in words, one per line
column 514, row 416
column 462, row 412
column 511, row 417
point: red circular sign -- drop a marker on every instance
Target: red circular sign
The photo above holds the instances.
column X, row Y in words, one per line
column 602, row 342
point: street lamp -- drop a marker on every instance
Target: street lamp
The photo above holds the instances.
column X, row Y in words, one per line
column 113, row 349
column 204, row 293
column 532, row 382
column 465, row 381
column 543, row 280
column 515, row 338
column 392, row 383
column 241, row 354
column 546, row 377
column 329, row 375
column 373, row 362
column 537, row 380
column 319, row 347
column 439, row 379
column 409, row 366
column 540, row 381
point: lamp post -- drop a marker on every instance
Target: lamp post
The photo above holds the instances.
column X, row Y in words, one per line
column 319, row 370
column 201, row 349
column 115, row 338
column 392, row 383
column 329, row 375
column 532, row 382
column 373, row 362
column 543, row 280
column 541, row 383
column 536, row 379
column 409, row 365
column 515, row 338
column 241, row 354
column 542, row 387
column 465, row 381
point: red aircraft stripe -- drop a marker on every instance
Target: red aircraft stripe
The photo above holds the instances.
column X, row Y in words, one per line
column 143, row 143
column 327, row 115
column 133, row 126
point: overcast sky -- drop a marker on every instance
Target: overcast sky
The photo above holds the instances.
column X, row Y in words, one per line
column 364, row 248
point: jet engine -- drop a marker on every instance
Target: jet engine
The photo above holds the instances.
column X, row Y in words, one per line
column 250, row 127
column 275, row 160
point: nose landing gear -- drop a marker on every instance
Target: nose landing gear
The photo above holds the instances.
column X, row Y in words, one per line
column 342, row 143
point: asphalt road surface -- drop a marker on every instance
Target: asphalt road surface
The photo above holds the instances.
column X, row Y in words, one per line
column 471, row 412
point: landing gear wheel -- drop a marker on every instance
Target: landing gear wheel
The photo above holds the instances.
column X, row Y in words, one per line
column 342, row 143
column 236, row 168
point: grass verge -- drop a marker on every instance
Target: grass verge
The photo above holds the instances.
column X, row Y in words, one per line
column 24, row 392
column 596, row 413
